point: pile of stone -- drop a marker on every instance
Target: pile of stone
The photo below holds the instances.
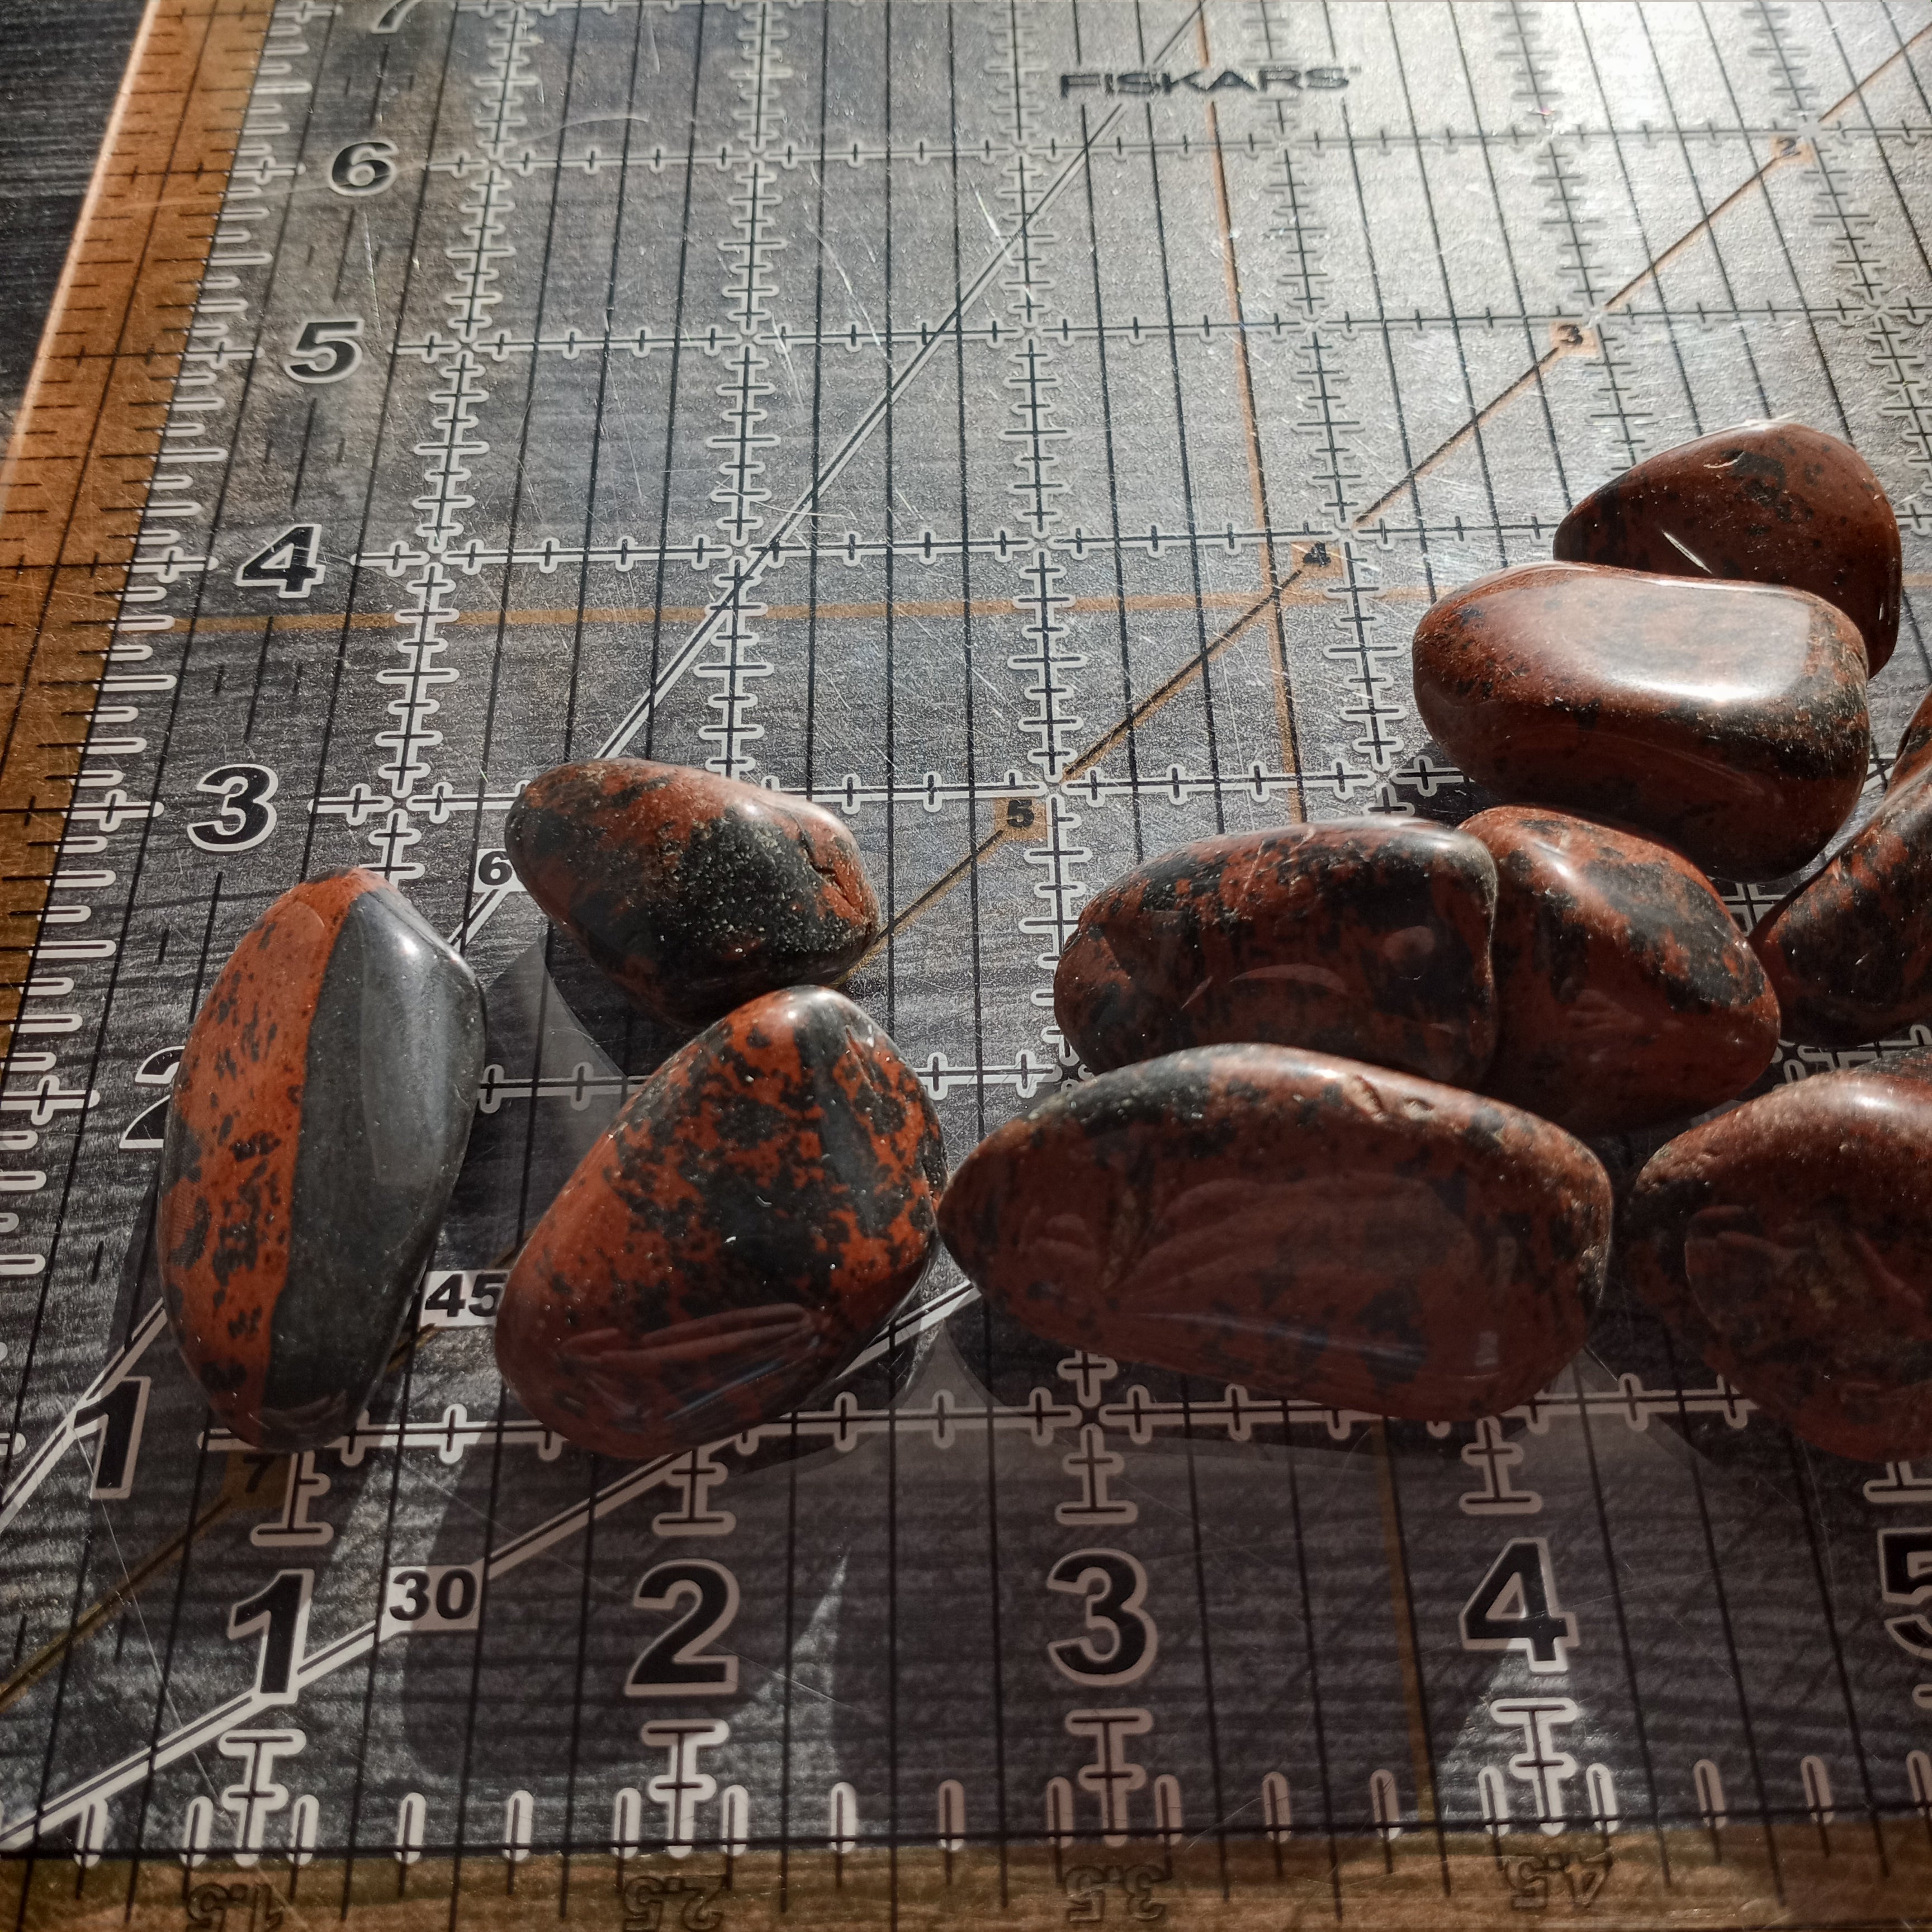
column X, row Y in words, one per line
column 1335, row 1145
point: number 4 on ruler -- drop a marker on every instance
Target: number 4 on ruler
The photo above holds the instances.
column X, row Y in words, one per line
column 280, row 1613
column 1515, row 1608
column 287, row 565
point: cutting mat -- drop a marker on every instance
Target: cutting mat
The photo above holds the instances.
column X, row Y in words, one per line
column 1033, row 430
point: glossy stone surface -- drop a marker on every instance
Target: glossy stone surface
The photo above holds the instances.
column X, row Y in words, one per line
column 1295, row 1223
column 694, row 893
column 1728, row 718
column 1915, row 748
column 1625, row 993
column 1367, row 937
column 1770, row 502
column 1850, row 952
column 760, row 1205
column 317, row 1123
column 1789, row 1242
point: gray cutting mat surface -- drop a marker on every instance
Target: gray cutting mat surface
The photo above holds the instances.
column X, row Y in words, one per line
column 1033, row 430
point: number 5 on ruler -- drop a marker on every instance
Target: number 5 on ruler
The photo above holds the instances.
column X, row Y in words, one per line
column 280, row 1613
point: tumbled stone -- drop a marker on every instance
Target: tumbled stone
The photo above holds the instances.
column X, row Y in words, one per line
column 1625, row 993
column 1789, row 1242
column 1915, row 748
column 1367, row 937
column 316, row 1128
column 760, row 1204
column 694, row 893
column 1728, row 719
column 1298, row 1223
column 1849, row 953
column 1773, row 503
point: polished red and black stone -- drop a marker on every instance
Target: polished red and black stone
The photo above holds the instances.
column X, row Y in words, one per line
column 1773, row 503
column 1368, row 938
column 694, row 893
column 1626, row 995
column 1294, row 1222
column 1915, row 748
column 763, row 1202
column 1726, row 718
column 1789, row 1242
column 1849, row 952
column 317, row 1127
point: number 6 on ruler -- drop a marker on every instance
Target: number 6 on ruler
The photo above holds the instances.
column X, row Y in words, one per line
column 280, row 1613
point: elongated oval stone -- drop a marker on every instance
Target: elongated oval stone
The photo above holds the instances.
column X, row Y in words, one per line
column 1789, row 1242
column 1626, row 994
column 1849, row 952
column 1296, row 1223
column 317, row 1127
column 1728, row 718
column 1368, row 938
column 694, row 893
column 761, row 1204
column 1772, row 503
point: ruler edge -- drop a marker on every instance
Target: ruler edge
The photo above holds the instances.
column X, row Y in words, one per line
column 28, row 866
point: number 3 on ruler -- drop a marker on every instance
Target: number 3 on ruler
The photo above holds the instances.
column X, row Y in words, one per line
column 1115, row 1586
column 246, row 816
column 287, row 565
column 280, row 1613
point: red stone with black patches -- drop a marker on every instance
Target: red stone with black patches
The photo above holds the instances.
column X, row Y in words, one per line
column 1367, row 938
column 1770, row 502
column 761, row 1204
column 1915, row 748
column 1789, row 1242
column 1625, row 993
column 1849, row 952
column 1727, row 719
column 317, row 1125
column 694, row 893
column 1298, row 1223
column 226, row 1221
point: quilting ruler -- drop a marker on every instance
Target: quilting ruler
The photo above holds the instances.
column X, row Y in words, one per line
column 1032, row 430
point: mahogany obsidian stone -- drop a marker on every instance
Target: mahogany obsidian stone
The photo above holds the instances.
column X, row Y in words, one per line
column 1789, row 1242
column 1368, row 938
column 1850, row 952
column 1299, row 1223
column 761, row 1204
column 1625, row 995
column 694, row 893
column 1773, row 503
column 1728, row 719
column 317, row 1123
column 1915, row 748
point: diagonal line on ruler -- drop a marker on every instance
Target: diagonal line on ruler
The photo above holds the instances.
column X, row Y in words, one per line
column 717, row 614
column 1648, row 273
column 346, row 1649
